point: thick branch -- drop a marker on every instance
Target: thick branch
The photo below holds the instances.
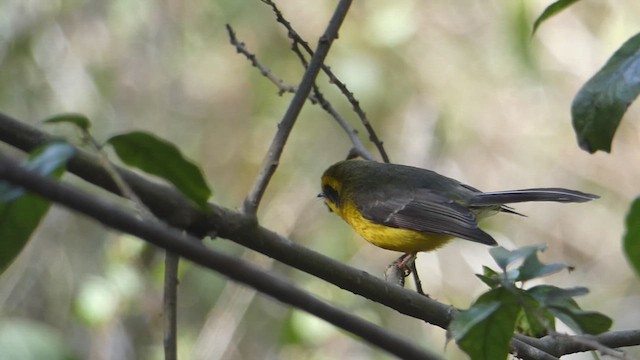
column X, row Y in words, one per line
column 189, row 247
column 168, row 204
column 270, row 164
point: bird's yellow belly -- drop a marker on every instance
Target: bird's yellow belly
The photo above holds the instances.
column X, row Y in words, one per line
column 391, row 238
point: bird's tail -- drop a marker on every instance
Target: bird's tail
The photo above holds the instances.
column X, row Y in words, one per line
column 538, row 194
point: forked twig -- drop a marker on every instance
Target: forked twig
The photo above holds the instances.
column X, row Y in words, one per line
column 316, row 97
column 270, row 164
column 297, row 40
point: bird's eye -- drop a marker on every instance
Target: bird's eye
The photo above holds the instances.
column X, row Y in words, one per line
column 331, row 194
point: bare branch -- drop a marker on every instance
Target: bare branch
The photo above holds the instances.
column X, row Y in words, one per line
column 168, row 204
column 270, row 164
column 298, row 40
column 177, row 242
column 242, row 49
column 316, row 97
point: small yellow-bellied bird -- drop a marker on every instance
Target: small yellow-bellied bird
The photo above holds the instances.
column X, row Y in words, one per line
column 408, row 209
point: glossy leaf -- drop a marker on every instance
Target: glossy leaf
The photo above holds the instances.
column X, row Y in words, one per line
column 600, row 104
column 81, row 121
column 484, row 330
column 632, row 236
column 161, row 158
column 550, row 11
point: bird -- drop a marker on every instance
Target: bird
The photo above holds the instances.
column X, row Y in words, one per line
column 410, row 210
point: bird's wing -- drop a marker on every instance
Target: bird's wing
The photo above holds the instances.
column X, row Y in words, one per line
column 424, row 211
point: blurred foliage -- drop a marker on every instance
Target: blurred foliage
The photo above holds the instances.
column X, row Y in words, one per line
column 485, row 329
column 459, row 87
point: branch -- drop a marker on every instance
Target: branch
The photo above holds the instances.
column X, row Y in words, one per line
column 175, row 241
column 297, row 39
column 315, row 97
column 168, row 204
column 270, row 164
column 565, row 344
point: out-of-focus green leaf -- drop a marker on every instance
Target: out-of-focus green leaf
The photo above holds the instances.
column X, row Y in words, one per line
column 504, row 257
column 632, row 236
column 600, row 104
column 484, row 330
column 549, row 294
column 21, row 213
column 161, row 158
column 581, row 321
column 489, row 277
column 18, row 220
column 561, row 304
column 534, row 319
column 550, row 11
column 79, row 120
column 532, row 268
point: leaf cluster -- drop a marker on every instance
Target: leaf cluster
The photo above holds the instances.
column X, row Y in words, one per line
column 484, row 331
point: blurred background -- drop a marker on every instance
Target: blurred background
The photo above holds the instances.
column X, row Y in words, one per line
column 457, row 87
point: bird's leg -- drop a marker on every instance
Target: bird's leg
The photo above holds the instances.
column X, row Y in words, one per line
column 401, row 268
column 416, row 277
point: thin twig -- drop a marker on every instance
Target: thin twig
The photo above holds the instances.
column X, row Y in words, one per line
column 170, row 290
column 170, row 305
column 316, row 97
column 270, row 164
column 297, row 39
column 178, row 242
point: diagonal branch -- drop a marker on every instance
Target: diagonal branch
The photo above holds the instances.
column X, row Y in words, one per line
column 270, row 164
column 298, row 40
column 316, row 97
column 168, row 204
column 189, row 247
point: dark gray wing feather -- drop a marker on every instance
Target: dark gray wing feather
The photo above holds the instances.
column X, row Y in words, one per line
column 428, row 212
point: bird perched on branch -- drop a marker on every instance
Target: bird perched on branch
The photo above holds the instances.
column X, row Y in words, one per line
column 408, row 209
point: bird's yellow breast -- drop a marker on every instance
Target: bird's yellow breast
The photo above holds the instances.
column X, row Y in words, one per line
column 390, row 238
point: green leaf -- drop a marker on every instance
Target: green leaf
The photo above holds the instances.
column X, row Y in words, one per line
column 504, row 257
column 561, row 304
column 489, row 277
column 161, row 158
column 18, row 220
column 484, row 330
column 550, row 11
column 81, row 121
column 534, row 319
column 532, row 268
column 549, row 294
column 581, row 321
column 631, row 239
column 21, row 213
column 600, row 104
